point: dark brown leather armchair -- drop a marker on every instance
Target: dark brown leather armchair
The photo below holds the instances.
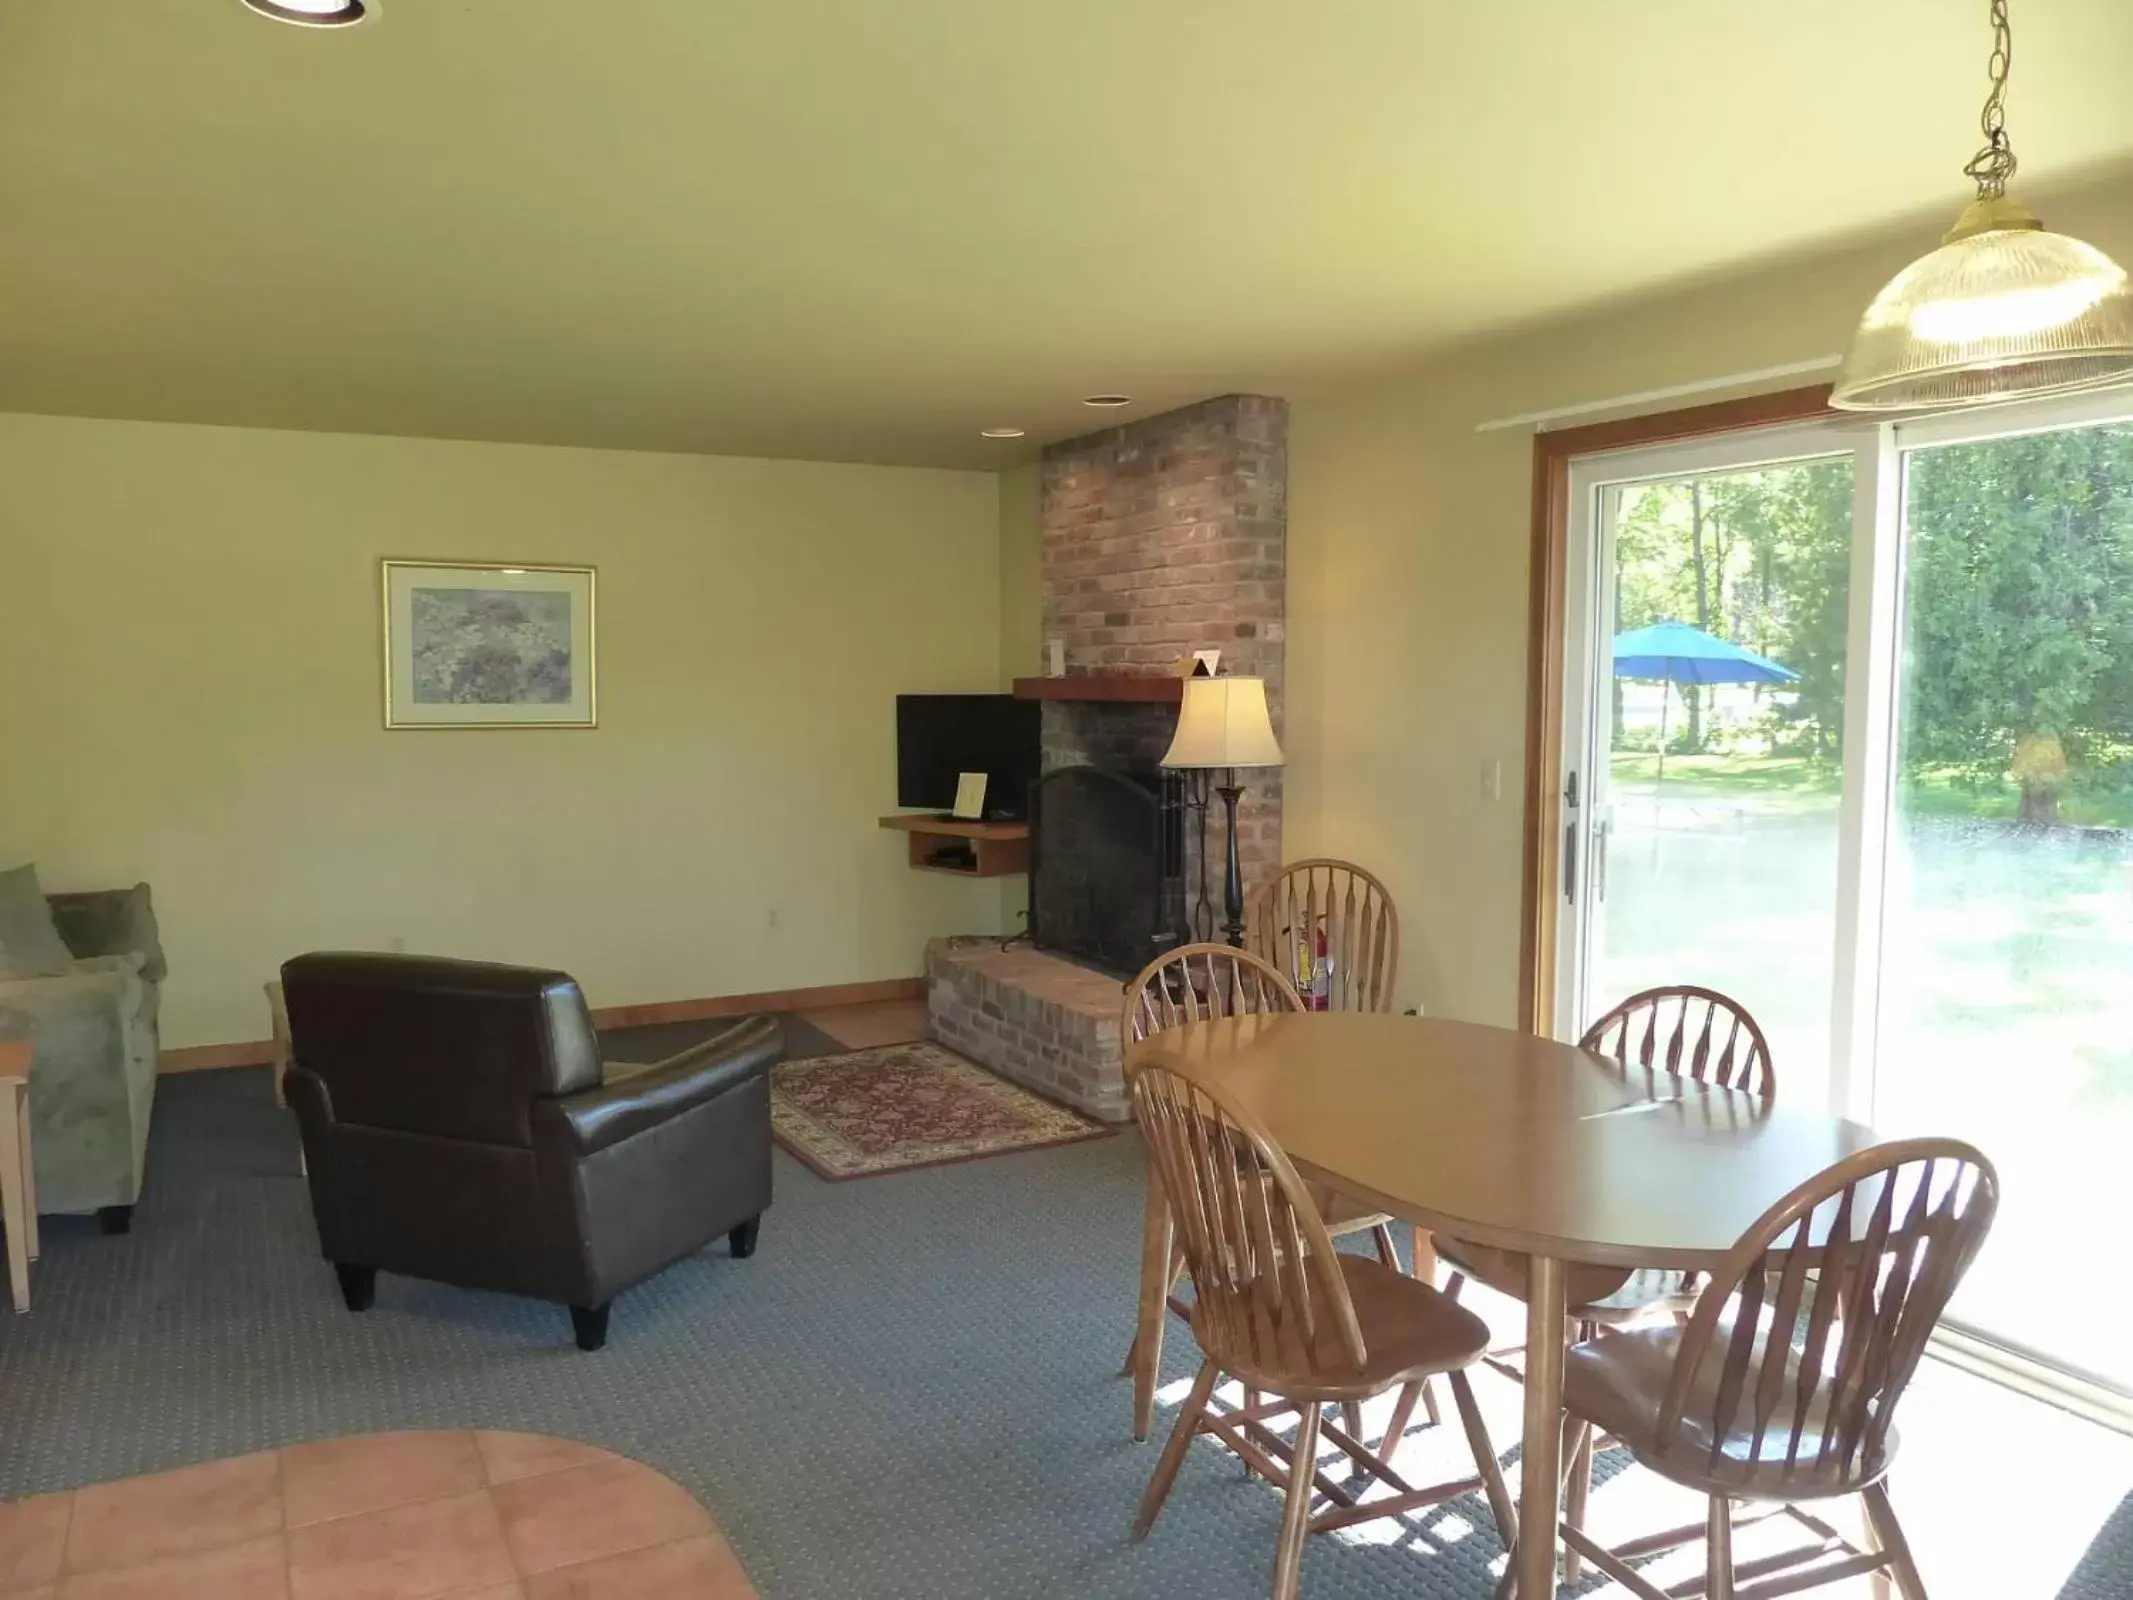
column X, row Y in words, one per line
column 457, row 1128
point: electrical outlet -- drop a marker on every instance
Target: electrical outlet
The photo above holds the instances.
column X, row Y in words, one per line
column 773, row 919
column 1492, row 780
column 397, row 944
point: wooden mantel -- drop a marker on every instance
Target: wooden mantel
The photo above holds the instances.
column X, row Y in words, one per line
column 1153, row 689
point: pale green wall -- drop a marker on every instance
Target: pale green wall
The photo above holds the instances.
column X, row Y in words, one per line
column 189, row 643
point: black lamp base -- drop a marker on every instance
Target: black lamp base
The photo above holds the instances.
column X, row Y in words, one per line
column 1233, row 881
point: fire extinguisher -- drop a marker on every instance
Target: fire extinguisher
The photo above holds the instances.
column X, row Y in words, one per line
column 1319, row 996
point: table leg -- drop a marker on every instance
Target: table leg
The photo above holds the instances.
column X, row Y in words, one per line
column 1540, row 1463
column 29, row 1175
column 18, row 1253
column 1156, row 1235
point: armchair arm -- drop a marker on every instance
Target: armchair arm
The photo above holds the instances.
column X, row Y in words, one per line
column 104, row 987
column 596, row 1118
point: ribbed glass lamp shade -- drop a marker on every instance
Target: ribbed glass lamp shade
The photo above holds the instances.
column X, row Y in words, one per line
column 2002, row 309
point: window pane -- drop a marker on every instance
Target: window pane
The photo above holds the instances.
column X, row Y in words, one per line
column 2007, row 999
column 1720, row 812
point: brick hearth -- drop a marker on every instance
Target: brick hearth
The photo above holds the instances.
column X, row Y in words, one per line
column 1045, row 1023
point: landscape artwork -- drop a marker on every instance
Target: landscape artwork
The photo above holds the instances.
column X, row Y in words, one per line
column 469, row 646
column 490, row 647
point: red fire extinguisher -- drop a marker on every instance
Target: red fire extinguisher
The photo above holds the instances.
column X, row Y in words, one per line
column 1319, row 996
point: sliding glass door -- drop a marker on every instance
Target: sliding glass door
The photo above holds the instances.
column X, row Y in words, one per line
column 2006, row 974
column 1709, row 734
column 1848, row 735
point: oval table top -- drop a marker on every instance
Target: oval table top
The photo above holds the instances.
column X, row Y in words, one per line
column 1512, row 1140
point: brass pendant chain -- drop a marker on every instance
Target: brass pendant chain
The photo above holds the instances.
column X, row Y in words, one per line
column 1994, row 165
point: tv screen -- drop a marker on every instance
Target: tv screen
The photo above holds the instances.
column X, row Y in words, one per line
column 941, row 736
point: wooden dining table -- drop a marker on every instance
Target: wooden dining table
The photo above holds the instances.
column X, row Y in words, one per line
column 1501, row 1138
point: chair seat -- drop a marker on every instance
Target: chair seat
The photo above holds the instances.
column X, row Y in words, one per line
column 1594, row 1294
column 1410, row 1331
column 1619, row 1383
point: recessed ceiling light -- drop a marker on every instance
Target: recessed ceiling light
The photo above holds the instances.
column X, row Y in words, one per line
column 1108, row 402
column 1001, row 433
column 314, row 13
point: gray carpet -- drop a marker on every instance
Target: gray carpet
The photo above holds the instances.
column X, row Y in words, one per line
column 908, row 1392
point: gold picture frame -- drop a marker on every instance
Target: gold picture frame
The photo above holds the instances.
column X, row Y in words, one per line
column 489, row 644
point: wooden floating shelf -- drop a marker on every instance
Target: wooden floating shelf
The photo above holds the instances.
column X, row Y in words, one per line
column 1161, row 690
column 996, row 849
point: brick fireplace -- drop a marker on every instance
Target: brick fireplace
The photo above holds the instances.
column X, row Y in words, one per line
column 1162, row 537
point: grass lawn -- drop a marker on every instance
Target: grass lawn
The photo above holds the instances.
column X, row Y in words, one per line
column 1928, row 790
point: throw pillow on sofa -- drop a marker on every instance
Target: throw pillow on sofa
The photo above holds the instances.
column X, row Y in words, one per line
column 30, row 945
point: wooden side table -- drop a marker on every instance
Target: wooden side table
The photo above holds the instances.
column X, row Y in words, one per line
column 18, row 1170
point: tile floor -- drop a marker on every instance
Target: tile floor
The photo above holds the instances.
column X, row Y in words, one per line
column 382, row 1516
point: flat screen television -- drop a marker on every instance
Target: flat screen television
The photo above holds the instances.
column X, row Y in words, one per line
column 941, row 736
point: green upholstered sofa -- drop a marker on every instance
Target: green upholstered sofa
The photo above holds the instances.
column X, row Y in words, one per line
column 93, row 1077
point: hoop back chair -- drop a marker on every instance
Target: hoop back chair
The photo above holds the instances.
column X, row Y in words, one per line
column 1783, row 1386
column 1200, row 983
column 1684, row 1032
column 1362, row 930
column 1689, row 1033
column 1278, row 1308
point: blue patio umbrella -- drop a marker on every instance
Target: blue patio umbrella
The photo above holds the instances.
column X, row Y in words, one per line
column 1675, row 653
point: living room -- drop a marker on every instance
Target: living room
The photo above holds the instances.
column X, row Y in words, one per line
column 834, row 357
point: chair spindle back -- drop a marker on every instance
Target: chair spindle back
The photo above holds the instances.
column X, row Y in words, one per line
column 1199, row 982
column 1814, row 1323
column 1267, row 1286
column 1362, row 929
column 1690, row 1033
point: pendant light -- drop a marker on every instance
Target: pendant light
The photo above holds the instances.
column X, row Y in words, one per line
column 2002, row 309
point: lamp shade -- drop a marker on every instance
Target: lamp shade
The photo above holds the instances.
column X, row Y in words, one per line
column 2002, row 309
column 1223, row 722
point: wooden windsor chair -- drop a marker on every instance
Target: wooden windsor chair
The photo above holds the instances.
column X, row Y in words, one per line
column 1198, row 983
column 1277, row 1307
column 1782, row 1388
column 1681, row 1031
column 1360, row 922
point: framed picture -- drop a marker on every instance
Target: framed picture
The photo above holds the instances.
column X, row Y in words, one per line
column 476, row 645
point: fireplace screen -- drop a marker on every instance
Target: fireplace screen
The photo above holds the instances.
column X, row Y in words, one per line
column 1107, row 866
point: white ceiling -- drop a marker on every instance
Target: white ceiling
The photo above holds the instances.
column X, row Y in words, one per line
column 863, row 229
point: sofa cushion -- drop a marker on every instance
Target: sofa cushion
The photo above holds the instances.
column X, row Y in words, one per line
column 30, row 945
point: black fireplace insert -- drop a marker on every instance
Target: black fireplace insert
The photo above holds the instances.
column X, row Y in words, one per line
column 1107, row 866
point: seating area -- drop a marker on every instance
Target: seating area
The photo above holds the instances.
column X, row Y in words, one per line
column 944, row 802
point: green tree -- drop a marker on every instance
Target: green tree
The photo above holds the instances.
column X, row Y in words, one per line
column 2020, row 606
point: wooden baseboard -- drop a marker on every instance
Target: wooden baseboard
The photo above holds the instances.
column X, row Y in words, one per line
column 260, row 1052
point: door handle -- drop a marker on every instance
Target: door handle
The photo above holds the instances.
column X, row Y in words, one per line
column 1570, row 862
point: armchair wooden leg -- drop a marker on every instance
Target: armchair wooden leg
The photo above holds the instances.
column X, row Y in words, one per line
column 1898, row 1549
column 1296, row 1513
column 589, row 1323
column 359, row 1285
column 114, row 1220
column 742, row 1239
column 1173, row 1457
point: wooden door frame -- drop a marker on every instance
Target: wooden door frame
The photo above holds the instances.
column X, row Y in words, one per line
column 1552, row 455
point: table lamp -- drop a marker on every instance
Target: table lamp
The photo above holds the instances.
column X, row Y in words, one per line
column 1223, row 725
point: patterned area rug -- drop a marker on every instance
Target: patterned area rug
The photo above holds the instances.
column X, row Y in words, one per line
column 904, row 1106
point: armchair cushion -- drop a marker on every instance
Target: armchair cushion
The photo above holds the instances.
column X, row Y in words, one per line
column 30, row 945
column 636, row 1098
